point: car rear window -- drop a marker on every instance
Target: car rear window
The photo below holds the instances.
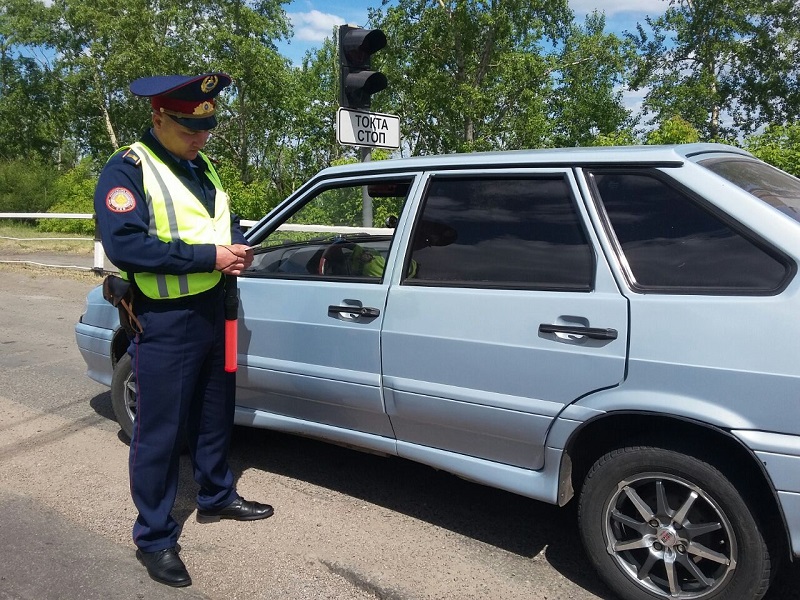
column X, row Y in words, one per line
column 675, row 243
column 778, row 189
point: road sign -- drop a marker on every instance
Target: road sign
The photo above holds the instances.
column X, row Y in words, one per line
column 361, row 128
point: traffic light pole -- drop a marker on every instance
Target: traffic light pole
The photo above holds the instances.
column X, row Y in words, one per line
column 366, row 199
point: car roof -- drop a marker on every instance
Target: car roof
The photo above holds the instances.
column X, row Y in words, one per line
column 667, row 155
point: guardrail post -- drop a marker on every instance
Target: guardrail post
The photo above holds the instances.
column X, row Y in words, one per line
column 99, row 253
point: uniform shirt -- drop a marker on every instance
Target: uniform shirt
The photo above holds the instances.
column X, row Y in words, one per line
column 125, row 233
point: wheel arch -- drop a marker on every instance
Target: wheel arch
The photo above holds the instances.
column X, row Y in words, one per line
column 119, row 346
column 728, row 454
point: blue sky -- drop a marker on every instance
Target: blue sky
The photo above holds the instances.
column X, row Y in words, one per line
column 313, row 20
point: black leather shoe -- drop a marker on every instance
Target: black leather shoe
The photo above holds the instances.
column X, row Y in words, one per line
column 238, row 510
column 165, row 566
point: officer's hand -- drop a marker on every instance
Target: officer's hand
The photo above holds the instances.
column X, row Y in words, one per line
column 233, row 259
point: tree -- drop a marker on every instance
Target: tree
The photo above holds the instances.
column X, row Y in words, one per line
column 623, row 137
column 587, row 100
column 779, row 145
column 238, row 37
column 703, row 60
column 769, row 86
column 26, row 186
column 29, row 102
column 467, row 74
column 103, row 46
column 309, row 143
column 675, row 130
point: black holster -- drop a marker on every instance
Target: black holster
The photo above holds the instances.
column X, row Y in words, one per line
column 121, row 293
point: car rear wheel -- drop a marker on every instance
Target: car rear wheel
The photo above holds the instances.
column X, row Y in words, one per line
column 123, row 394
column 659, row 524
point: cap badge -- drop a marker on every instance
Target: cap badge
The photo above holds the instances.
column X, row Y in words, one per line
column 209, row 83
column 204, row 109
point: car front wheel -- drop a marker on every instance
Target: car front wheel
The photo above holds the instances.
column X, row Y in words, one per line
column 660, row 524
column 123, row 394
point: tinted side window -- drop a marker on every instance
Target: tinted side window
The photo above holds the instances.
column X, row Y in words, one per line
column 672, row 243
column 501, row 232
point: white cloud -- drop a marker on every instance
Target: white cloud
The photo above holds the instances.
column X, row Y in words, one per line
column 632, row 99
column 612, row 7
column 314, row 26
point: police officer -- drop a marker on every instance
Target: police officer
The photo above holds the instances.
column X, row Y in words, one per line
column 165, row 223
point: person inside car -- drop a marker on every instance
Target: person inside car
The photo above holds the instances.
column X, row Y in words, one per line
column 363, row 262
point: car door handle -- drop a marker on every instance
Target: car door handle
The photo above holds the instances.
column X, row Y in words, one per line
column 361, row 311
column 596, row 333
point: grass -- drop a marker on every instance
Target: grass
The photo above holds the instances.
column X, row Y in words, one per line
column 27, row 239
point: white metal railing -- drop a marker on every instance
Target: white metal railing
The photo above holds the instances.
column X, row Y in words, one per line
column 98, row 263
column 46, row 216
column 100, row 255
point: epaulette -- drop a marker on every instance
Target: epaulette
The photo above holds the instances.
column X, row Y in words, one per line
column 131, row 157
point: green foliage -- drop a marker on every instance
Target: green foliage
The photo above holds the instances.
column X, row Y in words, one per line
column 469, row 75
column 675, row 130
column 26, row 186
column 250, row 200
column 587, row 100
column 725, row 66
column 624, row 137
column 73, row 193
column 238, row 37
column 464, row 75
column 305, row 139
column 779, row 145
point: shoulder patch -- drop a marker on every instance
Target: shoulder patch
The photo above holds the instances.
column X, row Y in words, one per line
column 120, row 200
column 131, row 157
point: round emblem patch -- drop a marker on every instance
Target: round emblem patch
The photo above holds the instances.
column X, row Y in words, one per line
column 120, row 200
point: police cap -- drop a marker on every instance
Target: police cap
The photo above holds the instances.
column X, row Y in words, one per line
column 188, row 100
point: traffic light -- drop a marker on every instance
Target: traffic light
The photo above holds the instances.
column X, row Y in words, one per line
column 357, row 82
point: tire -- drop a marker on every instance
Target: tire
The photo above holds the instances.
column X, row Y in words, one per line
column 123, row 394
column 659, row 524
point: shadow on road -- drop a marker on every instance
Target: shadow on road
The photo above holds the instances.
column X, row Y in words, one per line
column 507, row 521
column 501, row 519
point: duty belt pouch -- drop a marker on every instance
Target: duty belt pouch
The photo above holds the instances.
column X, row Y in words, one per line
column 119, row 293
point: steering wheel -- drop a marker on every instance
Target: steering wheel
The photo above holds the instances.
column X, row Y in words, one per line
column 331, row 255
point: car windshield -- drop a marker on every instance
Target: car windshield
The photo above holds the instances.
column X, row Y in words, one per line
column 778, row 189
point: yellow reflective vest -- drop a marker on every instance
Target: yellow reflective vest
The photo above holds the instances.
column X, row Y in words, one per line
column 176, row 214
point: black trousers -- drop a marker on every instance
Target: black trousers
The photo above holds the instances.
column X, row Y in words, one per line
column 183, row 392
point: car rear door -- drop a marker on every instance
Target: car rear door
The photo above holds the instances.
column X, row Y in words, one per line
column 512, row 314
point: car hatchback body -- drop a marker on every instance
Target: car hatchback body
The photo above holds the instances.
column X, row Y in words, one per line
column 616, row 324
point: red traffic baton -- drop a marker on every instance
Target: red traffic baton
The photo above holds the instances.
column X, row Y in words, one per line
column 231, row 327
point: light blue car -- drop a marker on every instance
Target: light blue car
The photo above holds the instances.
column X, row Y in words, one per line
column 615, row 325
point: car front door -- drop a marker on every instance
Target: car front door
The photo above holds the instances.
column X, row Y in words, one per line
column 312, row 307
column 512, row 314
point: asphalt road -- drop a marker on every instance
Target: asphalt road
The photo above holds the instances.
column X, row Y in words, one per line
column 348, row 525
